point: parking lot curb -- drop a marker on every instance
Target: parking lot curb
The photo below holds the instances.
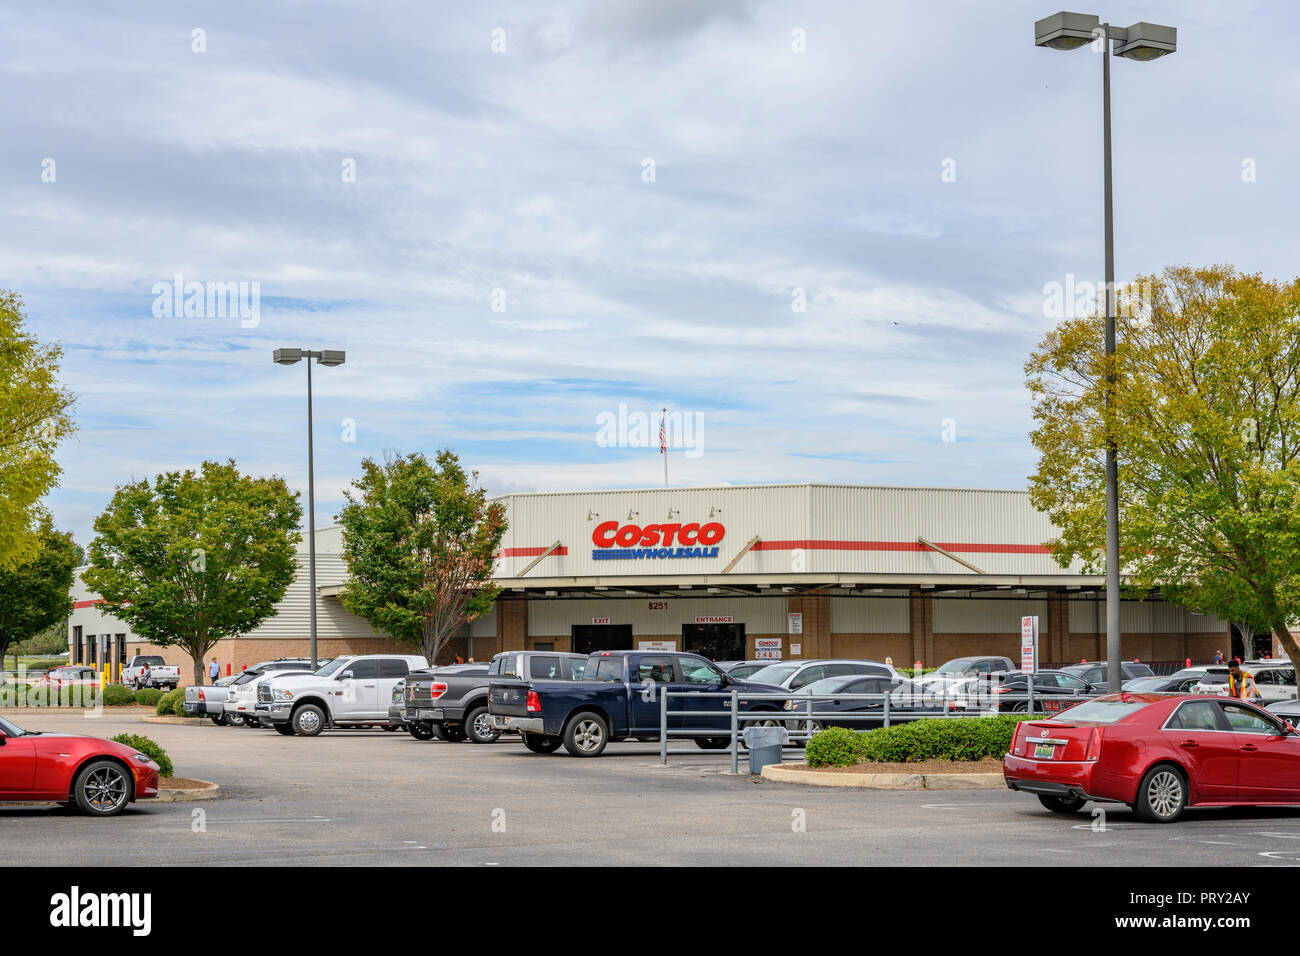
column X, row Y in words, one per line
column 173, row 719
column 799, row 773
column 206, row 792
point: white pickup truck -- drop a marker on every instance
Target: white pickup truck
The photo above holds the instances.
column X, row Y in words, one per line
column 148, row 670
column 352, row 691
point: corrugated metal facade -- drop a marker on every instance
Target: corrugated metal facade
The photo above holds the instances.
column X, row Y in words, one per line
column 801, row 529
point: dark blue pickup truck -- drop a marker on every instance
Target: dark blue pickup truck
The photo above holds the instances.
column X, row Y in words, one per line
column 618, row 698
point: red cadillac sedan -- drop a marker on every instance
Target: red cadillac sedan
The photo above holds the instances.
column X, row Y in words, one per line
column 99, row 777
column 1158, row 753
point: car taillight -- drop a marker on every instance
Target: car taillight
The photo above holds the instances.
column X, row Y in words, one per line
column 1094, row 745
column 1001, row 690
column 1017, row 745
column 534, row 703
column 437, row 689
column 201, row 697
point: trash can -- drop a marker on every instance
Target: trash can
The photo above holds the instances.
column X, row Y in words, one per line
column 764, row 745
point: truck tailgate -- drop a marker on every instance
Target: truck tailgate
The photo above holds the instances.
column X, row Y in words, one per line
column 509, row 698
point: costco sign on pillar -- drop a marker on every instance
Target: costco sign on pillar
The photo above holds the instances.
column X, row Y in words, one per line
column 690, row 540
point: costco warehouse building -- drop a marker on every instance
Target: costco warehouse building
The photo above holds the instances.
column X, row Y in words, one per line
column 799, row 571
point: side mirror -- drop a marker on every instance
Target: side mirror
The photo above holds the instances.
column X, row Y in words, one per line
column 1290, row 727
column 346, row 675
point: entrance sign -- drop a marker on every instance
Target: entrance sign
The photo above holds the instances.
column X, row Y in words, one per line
column 656, row 645
column 796, row 622
column 1028, row 645
column 767, row 649
column 714, row 619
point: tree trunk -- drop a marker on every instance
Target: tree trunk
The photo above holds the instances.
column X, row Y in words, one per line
column 198, row 669
column 1288, row 642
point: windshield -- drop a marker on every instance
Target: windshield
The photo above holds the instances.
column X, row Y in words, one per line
column 1214, row 677
column 1101, row 711
column 827, row 685
column 10, row 729
column 773, row 673
column 248, row 675
column 954, row 668
column 332, row 666
column 1146, row 684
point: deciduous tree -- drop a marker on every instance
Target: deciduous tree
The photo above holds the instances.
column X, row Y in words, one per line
column 420, row 541
column 35, row 595
column 34, row 418
column 191, row 558
column 1206, row 417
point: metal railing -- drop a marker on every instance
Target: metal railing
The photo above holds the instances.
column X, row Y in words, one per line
column 802, row 722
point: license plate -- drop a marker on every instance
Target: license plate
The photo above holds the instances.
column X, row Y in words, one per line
column 1044, row 751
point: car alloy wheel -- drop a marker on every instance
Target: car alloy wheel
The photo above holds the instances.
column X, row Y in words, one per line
column 589, row 735
column 103, row 789
column 483, row 729
column 1164, row 794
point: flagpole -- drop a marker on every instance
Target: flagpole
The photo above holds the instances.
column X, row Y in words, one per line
column 663, row 442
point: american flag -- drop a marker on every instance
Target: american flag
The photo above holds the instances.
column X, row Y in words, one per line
column 663, row 435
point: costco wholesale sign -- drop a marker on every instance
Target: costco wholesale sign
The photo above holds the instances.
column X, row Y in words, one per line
column 691, row 540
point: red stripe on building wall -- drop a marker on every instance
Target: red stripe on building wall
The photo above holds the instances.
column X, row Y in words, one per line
column 81, row 604
column 814, row 545
column 530, row 552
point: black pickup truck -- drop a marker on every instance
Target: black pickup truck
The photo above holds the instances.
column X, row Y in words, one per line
column 450, row 703
column 618, row 699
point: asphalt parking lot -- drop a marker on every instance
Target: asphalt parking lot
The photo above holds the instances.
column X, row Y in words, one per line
column 369, row 797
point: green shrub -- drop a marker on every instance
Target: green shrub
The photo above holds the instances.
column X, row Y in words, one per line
column 115, row 695
column 61, row 696
column 833, row 747
column 167, row 702
column 148, row 695
column 150, row 750
column 940, row 738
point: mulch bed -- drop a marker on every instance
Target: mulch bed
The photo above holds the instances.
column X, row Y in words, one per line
column 987, row 765
column 182, row 783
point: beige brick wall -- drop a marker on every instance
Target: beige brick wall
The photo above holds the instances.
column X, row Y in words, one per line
column 874, row 647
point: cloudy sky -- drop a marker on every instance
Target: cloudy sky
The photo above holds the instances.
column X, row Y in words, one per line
column 517, row 216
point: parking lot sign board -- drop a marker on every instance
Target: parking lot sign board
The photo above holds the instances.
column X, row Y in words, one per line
column 1028, row 645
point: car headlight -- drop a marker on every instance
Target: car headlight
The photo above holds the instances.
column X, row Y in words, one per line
column 143, row 758
column 281, row 694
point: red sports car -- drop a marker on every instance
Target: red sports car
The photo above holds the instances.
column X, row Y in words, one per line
column 1159, row 753
column 99, row 776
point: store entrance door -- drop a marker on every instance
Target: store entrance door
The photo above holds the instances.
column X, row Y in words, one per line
column 717, row 642
column 587, row 638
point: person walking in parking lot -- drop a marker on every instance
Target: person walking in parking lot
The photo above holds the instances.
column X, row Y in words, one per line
column 214, row 670
column 1218, row 657
column 1240, row 683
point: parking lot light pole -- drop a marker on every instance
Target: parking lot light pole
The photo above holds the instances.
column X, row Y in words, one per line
column 1141, row 42
column 328, row 358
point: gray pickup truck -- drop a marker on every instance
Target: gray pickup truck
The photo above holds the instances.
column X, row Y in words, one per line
column 451, row 703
